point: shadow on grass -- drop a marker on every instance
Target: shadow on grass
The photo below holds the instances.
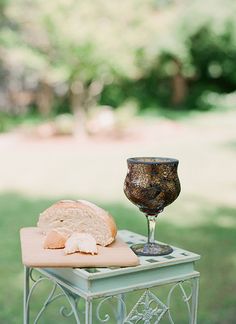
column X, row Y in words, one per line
column 215, row 240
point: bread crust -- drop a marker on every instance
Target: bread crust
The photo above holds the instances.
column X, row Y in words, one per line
column 54, row 240
column 83, row 206
column 106, row 217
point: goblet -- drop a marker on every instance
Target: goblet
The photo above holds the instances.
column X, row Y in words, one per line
column 151, row 184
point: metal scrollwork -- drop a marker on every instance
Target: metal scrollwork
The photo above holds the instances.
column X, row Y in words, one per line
column 64, row 310
column 186, row 298
column 148, row 308
column 106, row 317
column 52, row 296
column 31, row 275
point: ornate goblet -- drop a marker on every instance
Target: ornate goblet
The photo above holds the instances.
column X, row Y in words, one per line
column 152, row 183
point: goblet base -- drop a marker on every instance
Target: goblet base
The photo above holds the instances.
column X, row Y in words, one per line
column 151, row 249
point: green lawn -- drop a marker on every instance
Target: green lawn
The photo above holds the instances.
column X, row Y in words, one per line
column 214, row 238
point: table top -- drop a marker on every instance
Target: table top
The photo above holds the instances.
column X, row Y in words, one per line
column 146, row 262
column 92, row 282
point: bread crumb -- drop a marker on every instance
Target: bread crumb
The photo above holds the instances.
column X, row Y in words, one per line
column 81, row 242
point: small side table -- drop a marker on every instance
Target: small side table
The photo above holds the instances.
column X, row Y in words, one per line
column 99, row 289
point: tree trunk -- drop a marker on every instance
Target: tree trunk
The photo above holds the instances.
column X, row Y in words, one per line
column 77, row 95
column 82, row 99
column 179, row 86
column 44, row 98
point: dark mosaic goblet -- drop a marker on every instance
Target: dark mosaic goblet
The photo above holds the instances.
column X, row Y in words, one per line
column 152, row 183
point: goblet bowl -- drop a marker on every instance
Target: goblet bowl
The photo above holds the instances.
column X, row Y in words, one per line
column 151, row 184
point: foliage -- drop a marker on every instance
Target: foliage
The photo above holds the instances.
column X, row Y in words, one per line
column 69, row 55
column 198, row 47
column 72, row 46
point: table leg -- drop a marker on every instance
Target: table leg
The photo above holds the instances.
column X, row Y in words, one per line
column 121, row 309
column 194, row 306
column 26, row 293
column 88, row 312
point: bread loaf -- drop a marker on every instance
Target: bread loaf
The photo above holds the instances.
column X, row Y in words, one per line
column 69, row 216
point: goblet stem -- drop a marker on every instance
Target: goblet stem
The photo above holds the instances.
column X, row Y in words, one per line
column 151, row 220
column 151, row 248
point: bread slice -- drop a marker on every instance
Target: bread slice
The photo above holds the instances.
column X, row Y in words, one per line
column 55, row 240
column 69, row 216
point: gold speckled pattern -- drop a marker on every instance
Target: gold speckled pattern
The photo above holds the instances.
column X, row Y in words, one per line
column 152, row 183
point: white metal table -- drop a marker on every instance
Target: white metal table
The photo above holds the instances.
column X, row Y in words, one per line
column 102, row 289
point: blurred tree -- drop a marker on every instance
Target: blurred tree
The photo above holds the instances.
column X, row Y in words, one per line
column 196, row 51
column 85, row 52
column 81, row 45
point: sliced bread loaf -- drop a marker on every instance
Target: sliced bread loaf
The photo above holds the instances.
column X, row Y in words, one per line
column 69, row 216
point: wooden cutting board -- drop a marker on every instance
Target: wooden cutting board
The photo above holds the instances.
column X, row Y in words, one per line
column 117, row 254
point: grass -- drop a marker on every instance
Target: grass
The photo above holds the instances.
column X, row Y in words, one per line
column 9, row 122
column 214, row 238
column 32, row 118
column 175, row 114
